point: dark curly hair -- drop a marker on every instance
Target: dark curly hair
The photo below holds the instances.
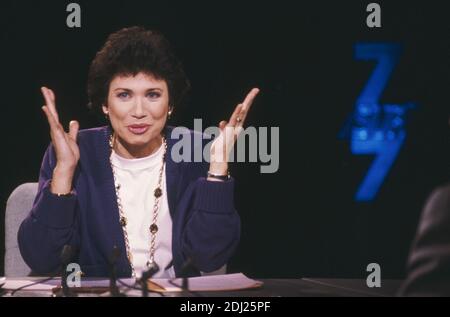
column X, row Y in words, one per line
column 130, row 51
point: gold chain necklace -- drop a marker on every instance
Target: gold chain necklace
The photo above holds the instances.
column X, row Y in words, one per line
column 123, row 220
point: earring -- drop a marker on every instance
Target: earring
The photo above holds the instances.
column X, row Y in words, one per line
column 169, row 114
column 107, row 115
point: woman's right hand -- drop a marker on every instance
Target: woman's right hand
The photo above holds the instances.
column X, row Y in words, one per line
column 65, row 145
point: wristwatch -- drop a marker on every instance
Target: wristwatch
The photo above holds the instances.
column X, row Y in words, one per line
column 69, row 194
column 218, row 176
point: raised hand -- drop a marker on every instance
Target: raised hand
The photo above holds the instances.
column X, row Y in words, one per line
column 230, row 131
column 65, row 145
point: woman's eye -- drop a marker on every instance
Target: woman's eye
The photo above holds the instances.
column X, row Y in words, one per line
column 153, row 94
column 123, row 95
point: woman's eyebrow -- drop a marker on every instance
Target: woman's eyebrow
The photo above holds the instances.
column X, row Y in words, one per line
column 149, row 89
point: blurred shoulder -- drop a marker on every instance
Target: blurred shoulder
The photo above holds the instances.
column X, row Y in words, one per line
column 437, row 209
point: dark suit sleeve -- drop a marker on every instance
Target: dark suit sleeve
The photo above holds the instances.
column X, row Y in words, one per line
column 50, row 224
column 212, row 232
column 429, row 260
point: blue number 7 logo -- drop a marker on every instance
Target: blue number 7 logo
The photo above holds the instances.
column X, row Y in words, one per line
column 375, row 128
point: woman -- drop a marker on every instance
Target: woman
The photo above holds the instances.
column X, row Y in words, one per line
column 117, row 186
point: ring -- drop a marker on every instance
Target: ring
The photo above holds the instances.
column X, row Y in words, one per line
column 238, row 119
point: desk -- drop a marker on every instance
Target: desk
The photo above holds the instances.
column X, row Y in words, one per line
column 314, row 287
column 305, row 287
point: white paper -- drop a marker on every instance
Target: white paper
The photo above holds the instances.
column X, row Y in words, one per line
column 226, row 282
column 13, row 284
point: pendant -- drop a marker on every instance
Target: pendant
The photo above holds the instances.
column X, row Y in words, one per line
column 123, row 221
column 151, row 264
column 158, row 192
column 153, row 228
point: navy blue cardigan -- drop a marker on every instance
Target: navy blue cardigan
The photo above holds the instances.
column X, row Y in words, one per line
column 205, row 224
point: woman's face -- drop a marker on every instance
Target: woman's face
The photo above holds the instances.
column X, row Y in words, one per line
column 137, row 107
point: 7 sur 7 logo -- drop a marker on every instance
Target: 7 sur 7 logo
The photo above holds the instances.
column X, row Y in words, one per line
column 375, row 128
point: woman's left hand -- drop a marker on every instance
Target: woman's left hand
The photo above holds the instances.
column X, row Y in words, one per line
column 229, row 132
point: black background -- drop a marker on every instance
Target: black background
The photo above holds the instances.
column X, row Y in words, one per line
column 302, row 220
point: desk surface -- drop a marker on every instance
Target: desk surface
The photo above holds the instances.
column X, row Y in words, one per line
column 305, row 287
column 314, row 287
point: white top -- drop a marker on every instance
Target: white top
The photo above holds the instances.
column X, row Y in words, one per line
column 138, row 179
